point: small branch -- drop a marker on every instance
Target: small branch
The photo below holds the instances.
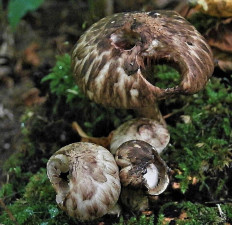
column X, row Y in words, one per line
column 78, row 129
column 175, row 111
column 11, row 216
column 219, row 202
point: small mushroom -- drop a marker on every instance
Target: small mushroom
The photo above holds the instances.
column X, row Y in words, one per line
column 86, row 179
column 142, row 167
column 113, row 58
column 148, row 130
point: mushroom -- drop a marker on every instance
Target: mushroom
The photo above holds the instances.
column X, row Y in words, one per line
column 148, row 130
column 86, row 179
column 112, row 59
column 142, row 174
column 142, row 167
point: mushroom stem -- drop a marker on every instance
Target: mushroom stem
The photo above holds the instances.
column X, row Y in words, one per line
column 151, row 112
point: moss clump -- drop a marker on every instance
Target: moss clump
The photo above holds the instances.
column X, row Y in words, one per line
column 140, row 220
column 188, row 213
column 201, row 146
column 61, row 81
column 37, row 204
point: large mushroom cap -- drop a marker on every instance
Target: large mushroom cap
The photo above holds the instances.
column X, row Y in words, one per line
column 86, row 179
column 112, row 58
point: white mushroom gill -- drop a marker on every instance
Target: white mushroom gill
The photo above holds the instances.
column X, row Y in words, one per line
column 151, row 176
column 142, row 167
column 86, row 179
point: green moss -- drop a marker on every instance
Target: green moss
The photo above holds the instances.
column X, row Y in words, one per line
column 188, row 213
column 140, row 220
column 37, row 206
column 201, row 147
column 61, row 80
column 165, row 76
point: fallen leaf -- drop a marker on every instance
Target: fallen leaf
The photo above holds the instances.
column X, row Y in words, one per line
column 30, row 55
column 223, row 59
column 194, row 181
column 32, row 97
column 186, row 119
column 175, row 185
column 147, row 213
column 167, row 220
column 220, row 36
column 183, row 216
column 199, row 145
column 218, row 8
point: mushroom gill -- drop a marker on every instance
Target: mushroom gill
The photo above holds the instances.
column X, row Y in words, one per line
column 86, row 179
column 112, row 59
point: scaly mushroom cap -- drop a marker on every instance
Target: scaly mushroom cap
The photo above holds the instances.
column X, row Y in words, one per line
column 86, row 179
column 112, row 59
column 142, row 167
column 144, row 129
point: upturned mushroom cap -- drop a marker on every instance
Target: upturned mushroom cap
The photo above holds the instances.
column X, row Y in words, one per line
column 86, row 179
column 144, row 129
column 142, row 167
column 112, row 58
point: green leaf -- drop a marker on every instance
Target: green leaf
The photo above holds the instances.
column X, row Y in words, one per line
column 18, row 8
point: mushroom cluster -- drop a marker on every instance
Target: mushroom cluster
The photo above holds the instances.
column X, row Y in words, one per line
column 112, row 64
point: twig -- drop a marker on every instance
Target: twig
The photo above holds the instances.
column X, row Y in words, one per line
column 11, row 216
column 219, row 201
column 175, row 111
column 79, row 130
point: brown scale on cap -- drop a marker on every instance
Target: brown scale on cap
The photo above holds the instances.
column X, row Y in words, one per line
column 111, row 61
column 86, row 179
